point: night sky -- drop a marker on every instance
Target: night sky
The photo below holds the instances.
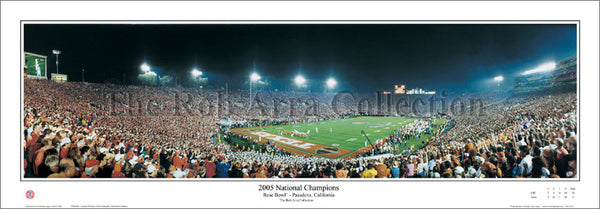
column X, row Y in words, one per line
column 362, row 57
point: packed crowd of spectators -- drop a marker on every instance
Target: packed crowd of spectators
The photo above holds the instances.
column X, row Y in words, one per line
column 85, row 130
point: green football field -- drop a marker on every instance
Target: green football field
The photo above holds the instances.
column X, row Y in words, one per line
column 344, row 133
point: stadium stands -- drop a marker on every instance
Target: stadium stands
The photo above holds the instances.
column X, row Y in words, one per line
column 562, row 76
column 112, row 131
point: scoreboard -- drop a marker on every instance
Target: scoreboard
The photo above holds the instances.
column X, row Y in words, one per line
column 58, row 77
column 399, row 89
column 35, row 66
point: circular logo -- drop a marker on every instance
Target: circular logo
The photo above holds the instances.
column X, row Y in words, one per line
column 29, row 194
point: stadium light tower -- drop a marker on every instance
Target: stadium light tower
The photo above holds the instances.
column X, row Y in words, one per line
column 542, row 68
column 499, row 79
column 145, row 68
column 331, row 82
column 56, row 52
column 196, row 72
column 300, row 80
column 253, row 78
column 197, row 75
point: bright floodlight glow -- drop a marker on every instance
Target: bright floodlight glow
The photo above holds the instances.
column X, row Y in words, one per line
column 542, row 68
column 499, row 78
column 331, row 82
column 196, row 72
column 254, row 77
column 54, row 51
column 151, row 73
column 145, row 68
column 299, row 80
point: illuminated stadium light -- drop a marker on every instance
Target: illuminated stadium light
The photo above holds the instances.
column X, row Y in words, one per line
column 151, row 73
column 196, row 72
column 56, row 52
column 331, row 83
column 299, row 80
column 145, row 68
column 499, row 79
column 254, row 77
column 542, row 68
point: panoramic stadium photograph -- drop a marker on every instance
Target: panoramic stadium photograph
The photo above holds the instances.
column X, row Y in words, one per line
column 299, row 100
